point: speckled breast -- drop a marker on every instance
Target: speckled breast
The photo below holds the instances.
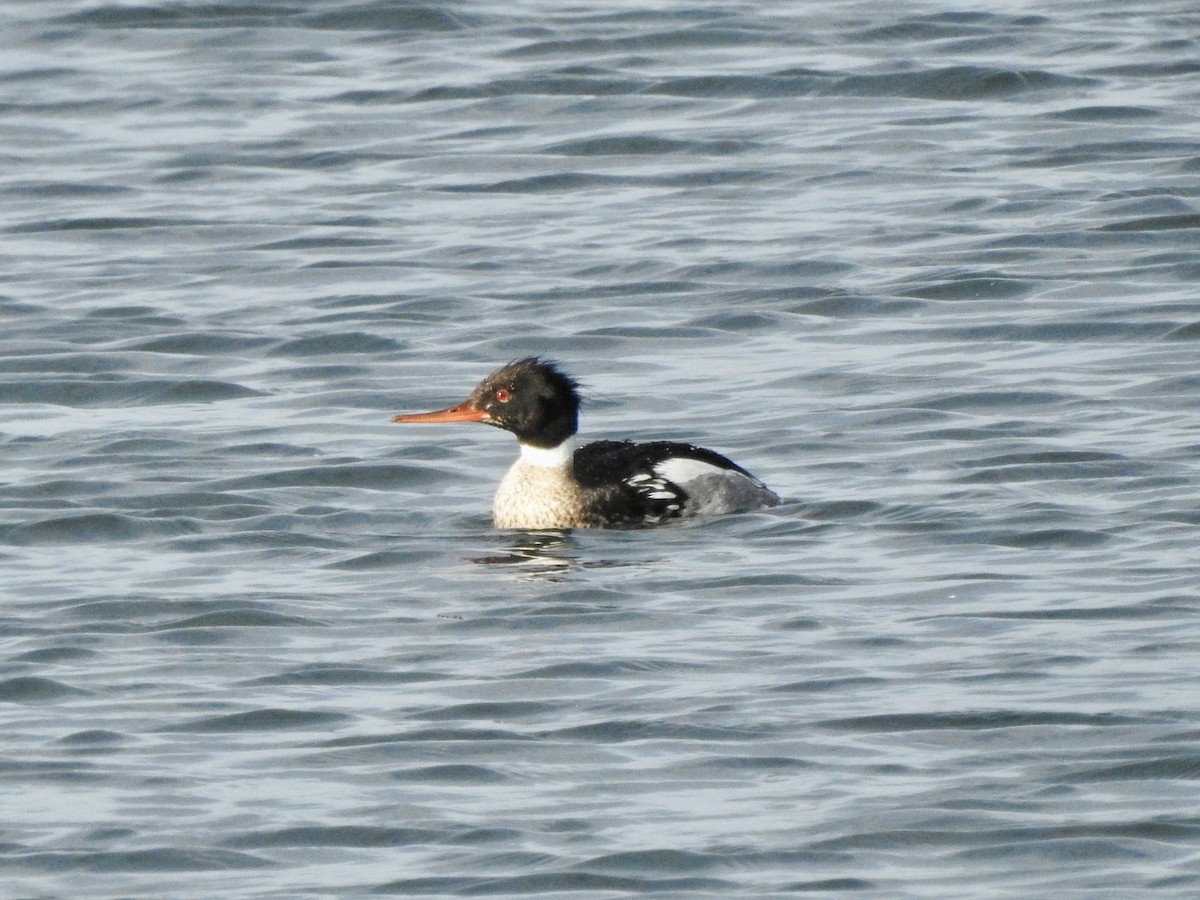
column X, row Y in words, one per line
column 538, row 497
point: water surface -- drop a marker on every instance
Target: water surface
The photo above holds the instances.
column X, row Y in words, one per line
column 927, row 269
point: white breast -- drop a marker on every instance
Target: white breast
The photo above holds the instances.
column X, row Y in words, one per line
column 538, row 496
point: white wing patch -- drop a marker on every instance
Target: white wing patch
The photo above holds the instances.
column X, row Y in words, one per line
column 663, row 501
column 714, row 490
column 682, row 469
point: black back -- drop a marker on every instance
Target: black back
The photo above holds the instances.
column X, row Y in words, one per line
column 626, row 489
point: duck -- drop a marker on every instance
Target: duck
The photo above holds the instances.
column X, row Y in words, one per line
column 557, row 484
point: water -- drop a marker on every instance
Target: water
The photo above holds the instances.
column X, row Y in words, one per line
column 927, row 269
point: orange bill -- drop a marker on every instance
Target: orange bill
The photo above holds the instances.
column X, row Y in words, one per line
column 464, row 412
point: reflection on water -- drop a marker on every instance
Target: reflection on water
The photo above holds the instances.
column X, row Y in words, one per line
column 552, row 555
column 543, row 555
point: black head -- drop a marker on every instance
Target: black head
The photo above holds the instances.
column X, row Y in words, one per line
column 531, row 398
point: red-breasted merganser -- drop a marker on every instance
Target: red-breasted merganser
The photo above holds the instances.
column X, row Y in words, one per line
column 604, row 484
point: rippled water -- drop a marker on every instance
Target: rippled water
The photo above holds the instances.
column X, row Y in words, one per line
column 929, row 270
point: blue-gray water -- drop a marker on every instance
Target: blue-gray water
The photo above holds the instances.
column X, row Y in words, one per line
column 928, row 269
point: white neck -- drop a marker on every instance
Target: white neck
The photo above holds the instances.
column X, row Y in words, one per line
column 549, row 457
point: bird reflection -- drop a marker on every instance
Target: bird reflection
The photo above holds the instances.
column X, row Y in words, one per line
column 548, row 555
column 554, row 554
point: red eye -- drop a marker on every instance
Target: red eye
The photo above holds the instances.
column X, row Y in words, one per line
column 502, row 395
